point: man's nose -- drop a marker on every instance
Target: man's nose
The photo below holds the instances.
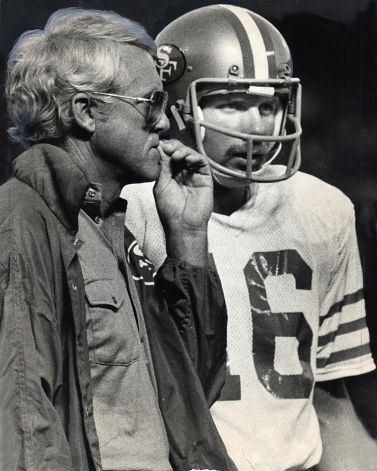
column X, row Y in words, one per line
column 163, row 124
column 253, row 122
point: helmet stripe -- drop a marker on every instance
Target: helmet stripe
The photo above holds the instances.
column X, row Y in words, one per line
column 245, row 54
column 255, row 38
column 265, row 29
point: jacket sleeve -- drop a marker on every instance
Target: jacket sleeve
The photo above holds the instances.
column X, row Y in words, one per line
column 196, row 303
column 185, row 319
column 31, row 431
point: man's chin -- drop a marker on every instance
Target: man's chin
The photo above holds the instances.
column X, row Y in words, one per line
column 151, row 169
column 148, row 175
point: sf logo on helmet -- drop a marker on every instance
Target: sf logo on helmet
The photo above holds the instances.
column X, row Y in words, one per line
column 170, row 63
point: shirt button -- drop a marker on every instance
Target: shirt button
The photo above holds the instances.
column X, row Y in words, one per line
column 97, row 220
column 91, row 192
column 75, row 242
column 74, row 287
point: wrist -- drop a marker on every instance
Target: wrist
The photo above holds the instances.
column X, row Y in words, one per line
column 188, row 245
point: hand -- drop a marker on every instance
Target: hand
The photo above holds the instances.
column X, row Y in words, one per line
column 183, row 191
column 184, row 200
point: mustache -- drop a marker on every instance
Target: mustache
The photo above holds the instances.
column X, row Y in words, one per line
column 241, row 149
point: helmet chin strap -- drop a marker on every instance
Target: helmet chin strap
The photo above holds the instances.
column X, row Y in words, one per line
column 270, row 160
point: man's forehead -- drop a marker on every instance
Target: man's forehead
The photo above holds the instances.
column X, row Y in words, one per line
column 138, row 68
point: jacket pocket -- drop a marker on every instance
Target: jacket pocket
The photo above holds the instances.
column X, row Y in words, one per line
column 113, row 337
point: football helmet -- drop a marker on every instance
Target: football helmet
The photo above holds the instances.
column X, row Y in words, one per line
column 222, row 49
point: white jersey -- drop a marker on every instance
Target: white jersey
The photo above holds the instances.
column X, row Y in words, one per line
column 289, row 265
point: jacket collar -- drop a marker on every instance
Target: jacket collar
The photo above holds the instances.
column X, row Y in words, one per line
column 54, row 175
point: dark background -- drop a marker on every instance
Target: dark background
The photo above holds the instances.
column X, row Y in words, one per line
column 334, row 47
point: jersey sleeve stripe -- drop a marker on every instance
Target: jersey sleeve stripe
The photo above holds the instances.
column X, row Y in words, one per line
column 345, row 328
column 337, row 307
column 344, row 355
column 349, row 313
column 344, row 342
column 356, row 366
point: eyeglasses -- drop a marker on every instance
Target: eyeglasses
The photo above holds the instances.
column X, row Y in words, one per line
column 157, row 103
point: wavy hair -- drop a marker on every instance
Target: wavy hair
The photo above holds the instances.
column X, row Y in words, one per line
column 78, row 50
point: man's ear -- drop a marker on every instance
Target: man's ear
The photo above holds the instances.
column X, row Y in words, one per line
column 82, row 112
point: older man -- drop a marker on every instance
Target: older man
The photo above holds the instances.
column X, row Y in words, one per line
column 103, row 364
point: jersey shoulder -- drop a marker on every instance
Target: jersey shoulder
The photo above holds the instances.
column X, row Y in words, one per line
column 139, row 195
column 141, row 207
column 321, row 202
column 143, row 222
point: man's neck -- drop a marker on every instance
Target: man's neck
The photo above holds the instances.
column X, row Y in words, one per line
column 81, row 153
column 228, row 200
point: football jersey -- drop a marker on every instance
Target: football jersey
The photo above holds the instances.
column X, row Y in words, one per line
column 290, row 269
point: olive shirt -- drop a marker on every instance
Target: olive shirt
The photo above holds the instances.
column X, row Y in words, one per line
column 45, row 377
column 129, row 425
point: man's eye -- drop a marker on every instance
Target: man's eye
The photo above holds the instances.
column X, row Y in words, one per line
column 266, row 109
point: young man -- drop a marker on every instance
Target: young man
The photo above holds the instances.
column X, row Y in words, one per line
column 103, row 364
column 284, row 243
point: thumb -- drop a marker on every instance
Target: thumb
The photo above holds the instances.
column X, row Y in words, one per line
column 166, row 173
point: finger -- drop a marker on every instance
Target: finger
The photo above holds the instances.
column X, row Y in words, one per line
column 182, row 158
column 175, row 152
column 170, row 145
column 183, row 152
column 165, row 160
column 165, row 176
column 191, row 160
column 178, row 151
column 176, row 148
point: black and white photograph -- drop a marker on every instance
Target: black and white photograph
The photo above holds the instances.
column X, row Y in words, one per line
column 188, row 235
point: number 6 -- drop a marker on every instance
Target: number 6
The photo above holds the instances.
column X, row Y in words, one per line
column 268, row 325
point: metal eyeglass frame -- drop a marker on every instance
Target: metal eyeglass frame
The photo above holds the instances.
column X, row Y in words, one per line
column 139, row 99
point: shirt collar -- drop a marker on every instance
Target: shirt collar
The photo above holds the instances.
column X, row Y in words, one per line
column 92, row 203
column 61, row 183
column 54, row 175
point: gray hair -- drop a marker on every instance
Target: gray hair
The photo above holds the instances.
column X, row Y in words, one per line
column 79, row 50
